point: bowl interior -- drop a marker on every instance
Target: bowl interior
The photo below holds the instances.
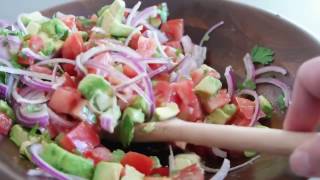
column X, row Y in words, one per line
column 244, row 27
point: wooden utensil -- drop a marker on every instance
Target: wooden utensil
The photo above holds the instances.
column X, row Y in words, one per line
column 266, row 140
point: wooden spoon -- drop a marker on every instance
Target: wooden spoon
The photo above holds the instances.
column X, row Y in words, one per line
column 265, row 140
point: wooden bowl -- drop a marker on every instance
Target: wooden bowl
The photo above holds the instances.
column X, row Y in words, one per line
column 244, row 27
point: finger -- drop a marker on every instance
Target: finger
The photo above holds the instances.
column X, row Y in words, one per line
column 304, row 111
column 305, row 160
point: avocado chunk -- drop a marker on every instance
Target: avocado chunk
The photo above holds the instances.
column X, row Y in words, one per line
column 229, row 109
column 55, row 29
column 136, row 115
column 107, row 170
column 66, row 161
column 33, row 17
column 117, row 155
column 132, row 174
column 92, row 83
column 126, row 126
column 50, row 45
column 7, row 110
column 167, row 112
column 18, row 135
column 33, row 28
column 266, row 106
column 208, row 86
column 184, row 160
column 140, row 103
column 111, row 19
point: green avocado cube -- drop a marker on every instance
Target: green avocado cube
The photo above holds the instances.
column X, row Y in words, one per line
column 218, row 117
column 107, row 171
column 266, row 106
column 92, row 83
column 18, row 135
column 140, row 103
column 167, row 112
column 208, row 86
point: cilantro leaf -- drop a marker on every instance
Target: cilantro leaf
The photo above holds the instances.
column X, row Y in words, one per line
column 281, row 103
column 247, row 84
column 262, row 55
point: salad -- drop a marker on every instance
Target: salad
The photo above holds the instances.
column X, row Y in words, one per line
column 68, row 81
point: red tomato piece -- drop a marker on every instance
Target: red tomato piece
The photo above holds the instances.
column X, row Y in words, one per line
column 139, row 161
column 217, row 101
column 146, row 46
column 134, row 41
column 40, row 69
column 162, row 91
column 70, row 69
column 245, row 107
column 82, row 138
column 98, row 154
column 69, row 82
column 174, row 29
column 162, row 171
column 162, row 77
column 64, row 99
column 5, row 124
column 193, row 172
column 197, row 76
column 36, row 43
column 128, row 71
column 187, row 101
column 69, row 20
column 24, row 60
column 73, row 46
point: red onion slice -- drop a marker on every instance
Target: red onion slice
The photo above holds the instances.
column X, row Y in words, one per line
column 267, row 69
column 21, row 25
column 218, row 152
column 3, row 91
column 223, row 171
column 35, row 151
column 28, row 52
column 206, row 35
column 133, row 13
column 58, row 120
column 16, row 71
column 250, row 70
column 144, row 15
column 187, row 44
column 254, row 94
column 284, row 87
column 230, row 80
column 31, row 119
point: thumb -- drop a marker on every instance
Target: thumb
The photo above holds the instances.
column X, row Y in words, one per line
column 305, row 160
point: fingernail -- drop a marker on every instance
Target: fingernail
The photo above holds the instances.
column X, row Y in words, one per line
column 300, row 163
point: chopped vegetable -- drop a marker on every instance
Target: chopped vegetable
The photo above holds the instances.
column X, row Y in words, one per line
column 262, row 55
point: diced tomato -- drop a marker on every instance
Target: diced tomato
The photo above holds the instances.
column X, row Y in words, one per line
column 197, row 76
column 162, row 171
column 162, row 91
column 40, row 69
column 245, row 110
column 69, row 20
column 64, row 99
column 193, row 172
column 139, row 161
column 36, row 43
column 73, row 46
column 171, row 52
column 82, row 138
column 24, row 60
column 134, row 41
column 187, row 101
column 174, row 29
column 98, row 154
column 146, row 46
column 174, row 44
column 70, row 69
column 69, row 82
column 239, row 121
column 154, row 66
column 217, row 101
column 5, row 124
column 128, row 71
column 162, row 77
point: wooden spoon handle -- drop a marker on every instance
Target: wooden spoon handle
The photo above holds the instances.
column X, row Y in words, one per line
column 266, row 140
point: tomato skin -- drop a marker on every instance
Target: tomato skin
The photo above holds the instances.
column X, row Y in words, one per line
column 82, row 138
column 98, row 154
column 69, row 82
column 139, row 161
column 73, row 46
column 162, row 77
column 70, row 69
column 174, row 29
column 162, row 91
column 5, row 124
column 40, row 69
column 214, row 102
column 193, row 172
column 245, row 110
column 36, row 43
column 128, row 71
column 64, row 99
column 162, row 171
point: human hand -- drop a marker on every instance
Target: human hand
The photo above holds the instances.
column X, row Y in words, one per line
column 304, row 115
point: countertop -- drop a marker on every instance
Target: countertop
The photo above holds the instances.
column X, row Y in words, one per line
column 304, row 14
